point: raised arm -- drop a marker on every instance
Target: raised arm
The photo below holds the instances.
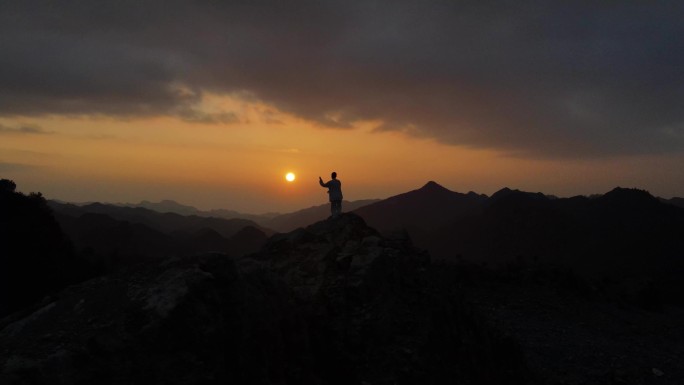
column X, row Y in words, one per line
column 320, row 181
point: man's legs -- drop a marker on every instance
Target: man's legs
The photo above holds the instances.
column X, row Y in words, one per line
column 335, row 208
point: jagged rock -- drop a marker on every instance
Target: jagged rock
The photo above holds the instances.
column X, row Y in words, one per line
column 188, row 321
column 382, row 315
column 340, row 253
column 334, row 303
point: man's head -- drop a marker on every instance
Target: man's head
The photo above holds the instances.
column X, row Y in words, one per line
column 334, row 175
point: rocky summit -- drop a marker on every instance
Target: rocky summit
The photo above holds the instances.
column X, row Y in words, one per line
column 333, row 303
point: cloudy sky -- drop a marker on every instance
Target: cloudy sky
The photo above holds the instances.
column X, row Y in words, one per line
column 211, row 102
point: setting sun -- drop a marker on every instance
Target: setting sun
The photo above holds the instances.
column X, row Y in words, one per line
column 290, row 177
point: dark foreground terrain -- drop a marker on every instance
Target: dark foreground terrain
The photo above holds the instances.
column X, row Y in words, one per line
column 334, row 303
column 573, row 332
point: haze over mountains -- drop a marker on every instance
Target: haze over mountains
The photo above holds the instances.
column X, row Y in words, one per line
column 276, row 221
column 109, row 236
column 171, row 206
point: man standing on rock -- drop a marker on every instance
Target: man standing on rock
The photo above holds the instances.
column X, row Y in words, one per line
column 334, row 193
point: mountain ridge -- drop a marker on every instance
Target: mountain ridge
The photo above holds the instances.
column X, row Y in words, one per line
column 420, row 210
column 288, row 221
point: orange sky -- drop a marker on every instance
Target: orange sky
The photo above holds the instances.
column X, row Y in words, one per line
column 212, row 103
column 241, row 165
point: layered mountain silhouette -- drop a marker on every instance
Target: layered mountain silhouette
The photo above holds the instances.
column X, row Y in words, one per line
column 165, row 222
column 434, row 286
column 275, row 221
column 171, row 206
column 109, row 236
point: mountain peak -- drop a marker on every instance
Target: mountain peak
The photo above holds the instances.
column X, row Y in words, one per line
column 502, row 193
column 628, row 191
column 508, row 193
column 433, row 186
column 629, row 196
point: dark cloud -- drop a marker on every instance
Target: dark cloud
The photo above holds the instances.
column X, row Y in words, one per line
column 196, row 116
column 15, row 167
column 23, row 129
column 529, row 78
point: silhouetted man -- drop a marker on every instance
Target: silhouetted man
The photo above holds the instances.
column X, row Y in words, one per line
column 334, row 193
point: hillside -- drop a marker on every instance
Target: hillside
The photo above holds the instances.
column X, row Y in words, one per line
column 171, row 206
column 275, row 221
column 109, row 236
column 421, row 211
column 626, row 236
column 334, row 303
column 679, row 202
column 164, row 222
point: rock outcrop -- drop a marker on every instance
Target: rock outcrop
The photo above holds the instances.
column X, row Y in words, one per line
column 334, row 303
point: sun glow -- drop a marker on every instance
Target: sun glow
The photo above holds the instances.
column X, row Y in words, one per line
column 290, row 177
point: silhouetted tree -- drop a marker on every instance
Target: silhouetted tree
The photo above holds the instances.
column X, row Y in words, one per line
column 7, row 185
column 36, row 258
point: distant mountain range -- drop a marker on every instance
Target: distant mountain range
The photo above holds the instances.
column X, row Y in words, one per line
column 276, row 221
column 441, row 204
column 170, row 206
column 109, row 236
column 162, row 221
